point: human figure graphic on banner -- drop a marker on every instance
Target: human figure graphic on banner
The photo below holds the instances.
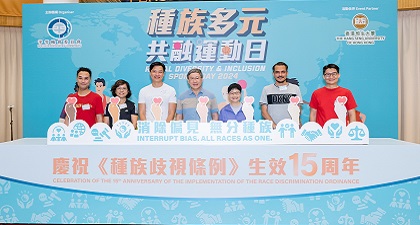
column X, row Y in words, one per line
column 87, row 103
column 332, row 101
column 189, row 104
column 275, row 98
column 100, row 87
column 120, row 107
column 227, row 208
column 157, row 101
column 225, row 96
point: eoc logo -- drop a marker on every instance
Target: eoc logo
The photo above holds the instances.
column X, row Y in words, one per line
column 59, row 28
column 360, row 21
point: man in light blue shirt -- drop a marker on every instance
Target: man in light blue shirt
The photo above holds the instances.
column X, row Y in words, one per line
column 196, row 103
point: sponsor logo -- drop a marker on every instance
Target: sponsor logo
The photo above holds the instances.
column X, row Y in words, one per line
column 360, row 35
column 360, row 21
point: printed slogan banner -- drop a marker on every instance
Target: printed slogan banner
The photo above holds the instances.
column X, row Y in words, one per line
column 237, row 42
column 248, row 132
column 205, row 184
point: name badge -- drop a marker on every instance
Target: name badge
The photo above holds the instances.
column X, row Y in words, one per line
column 86, row 106
column 122, row 106
column 282, row 88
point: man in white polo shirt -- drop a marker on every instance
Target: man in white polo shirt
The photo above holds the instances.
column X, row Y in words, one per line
column 157, row 101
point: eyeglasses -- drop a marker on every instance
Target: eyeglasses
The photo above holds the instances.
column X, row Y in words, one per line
column 235, row 93
column 121, row 88
column 334, row 74
column 194, row 78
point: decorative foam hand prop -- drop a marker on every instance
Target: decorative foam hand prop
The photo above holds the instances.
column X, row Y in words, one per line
column 202, row 109
column 294, row 109
column 113, row 109
column 157, row 108
column 247, row 107
column 340, row 108
column 70, row 108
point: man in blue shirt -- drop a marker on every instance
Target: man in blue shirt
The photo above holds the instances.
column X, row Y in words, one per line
column 196, row 103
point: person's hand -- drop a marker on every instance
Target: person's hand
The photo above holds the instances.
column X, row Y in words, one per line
column 273, row 125
column 247, row 107
column 293, row 108
column 156, row 108
column 113, row 109
column 202, row 109
column 340, row 108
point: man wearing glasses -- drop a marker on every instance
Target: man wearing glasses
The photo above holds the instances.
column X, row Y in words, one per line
column 233, row 110
column 327, row 102
column 196, row 103
column 275, row 98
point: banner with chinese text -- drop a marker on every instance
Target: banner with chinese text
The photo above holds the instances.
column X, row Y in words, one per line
column 204, row 184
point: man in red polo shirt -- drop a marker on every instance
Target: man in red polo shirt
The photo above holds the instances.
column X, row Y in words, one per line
column 323, row 101
column 84, row 104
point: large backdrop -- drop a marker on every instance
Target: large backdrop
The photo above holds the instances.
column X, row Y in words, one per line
column 236, row 41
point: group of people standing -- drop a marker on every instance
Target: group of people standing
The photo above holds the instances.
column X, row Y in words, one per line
column 158, row 101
